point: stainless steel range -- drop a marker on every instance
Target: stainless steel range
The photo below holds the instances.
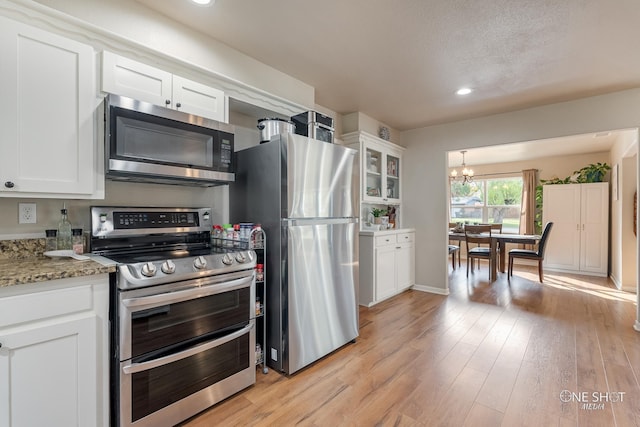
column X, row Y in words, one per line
column 182, row 315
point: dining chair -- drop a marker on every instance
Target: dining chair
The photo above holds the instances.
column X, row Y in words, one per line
column 453, row 250
column 480, row 235
column 495, row 227
column 537, row 255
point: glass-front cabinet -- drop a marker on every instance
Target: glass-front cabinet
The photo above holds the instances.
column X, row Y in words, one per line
column 380, row 168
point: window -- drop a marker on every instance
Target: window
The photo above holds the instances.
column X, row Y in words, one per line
column 487, row 201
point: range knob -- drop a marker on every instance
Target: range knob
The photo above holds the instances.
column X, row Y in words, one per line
column 148, row 269
column 168, row 267
column 241, row 257
column 200, row 263
column 227, row 259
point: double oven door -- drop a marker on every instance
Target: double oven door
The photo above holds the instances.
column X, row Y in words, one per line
column 182, row 347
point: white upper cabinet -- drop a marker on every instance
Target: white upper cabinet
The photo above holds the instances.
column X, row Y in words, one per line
column 133, row 79
column 47, row 115
column 380, row 168
column 201, row 100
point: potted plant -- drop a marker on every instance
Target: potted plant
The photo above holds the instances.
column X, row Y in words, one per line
column 379, row 216
column 594, row 172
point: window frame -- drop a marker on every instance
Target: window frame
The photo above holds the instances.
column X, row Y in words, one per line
column 485, row 207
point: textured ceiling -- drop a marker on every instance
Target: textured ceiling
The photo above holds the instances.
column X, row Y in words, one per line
column 401, row 61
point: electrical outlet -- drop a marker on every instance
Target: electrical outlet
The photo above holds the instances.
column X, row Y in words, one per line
column 26, row 213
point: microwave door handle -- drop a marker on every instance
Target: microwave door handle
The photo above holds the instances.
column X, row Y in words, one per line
column 173, row 297
column 145, row 366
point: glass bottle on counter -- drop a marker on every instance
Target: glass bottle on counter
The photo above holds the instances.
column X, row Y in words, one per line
column 77, row 241
column 51, row 241
column 64, row 231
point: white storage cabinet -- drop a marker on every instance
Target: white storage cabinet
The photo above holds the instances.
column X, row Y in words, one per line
column 47, row 115
column 579, row 239
column 142, row 82
column 53, row 353
column 380, row 168
column 387, row 264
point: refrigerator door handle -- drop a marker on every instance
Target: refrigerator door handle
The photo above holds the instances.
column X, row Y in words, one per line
column 317, row 221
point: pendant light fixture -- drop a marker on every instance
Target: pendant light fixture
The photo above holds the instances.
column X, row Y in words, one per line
column 467, row 174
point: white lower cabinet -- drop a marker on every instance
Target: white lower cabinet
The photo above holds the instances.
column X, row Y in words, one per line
column 53, row 354
column 387, row 264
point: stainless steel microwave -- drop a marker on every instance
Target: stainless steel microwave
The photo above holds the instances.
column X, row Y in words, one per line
column 150, row 143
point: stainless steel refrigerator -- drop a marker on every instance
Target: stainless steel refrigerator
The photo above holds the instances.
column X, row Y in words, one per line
column 304, row 194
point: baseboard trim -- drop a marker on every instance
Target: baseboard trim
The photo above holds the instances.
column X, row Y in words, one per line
column 430, row 289
column 636, row 326
column 616, row 282
column 579, row 272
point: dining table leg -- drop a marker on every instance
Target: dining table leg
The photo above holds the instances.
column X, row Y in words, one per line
column 502, row 248
column 493, row 262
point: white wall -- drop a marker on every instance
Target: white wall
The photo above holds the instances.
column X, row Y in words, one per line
column 425, row 206
column 623, row 241
column 548, row 167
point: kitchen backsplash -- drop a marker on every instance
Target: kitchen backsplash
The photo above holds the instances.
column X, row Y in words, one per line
column 117, row 194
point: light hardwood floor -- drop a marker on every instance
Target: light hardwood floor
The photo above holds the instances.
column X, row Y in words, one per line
column 486, row 355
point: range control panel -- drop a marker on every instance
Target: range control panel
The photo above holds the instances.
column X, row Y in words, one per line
column 134, row 220
column 111, row 222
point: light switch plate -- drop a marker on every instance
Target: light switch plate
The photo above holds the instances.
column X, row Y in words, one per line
column 27, row 213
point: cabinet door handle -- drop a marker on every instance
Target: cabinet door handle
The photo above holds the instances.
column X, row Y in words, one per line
column 398, row 247
column 168, row 101
column 178, row 105
column 9, row 184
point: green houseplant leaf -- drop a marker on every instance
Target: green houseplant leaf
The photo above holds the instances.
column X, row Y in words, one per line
column 378, row 212
column 594, row 172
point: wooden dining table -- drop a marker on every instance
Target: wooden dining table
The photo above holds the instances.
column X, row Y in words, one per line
column 499, row 247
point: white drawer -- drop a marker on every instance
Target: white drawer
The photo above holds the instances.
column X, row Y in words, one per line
column 405, row 237
column 387, row 239
column 41, row 305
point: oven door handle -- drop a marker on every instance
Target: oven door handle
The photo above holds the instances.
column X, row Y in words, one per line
column 145, row 366
column 174, row 297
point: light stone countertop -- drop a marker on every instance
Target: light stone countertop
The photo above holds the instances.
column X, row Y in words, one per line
column 21, row 261
column 383, row 232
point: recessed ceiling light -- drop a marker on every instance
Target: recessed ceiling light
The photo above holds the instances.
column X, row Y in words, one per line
column 464, row 91
column 203, row 2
